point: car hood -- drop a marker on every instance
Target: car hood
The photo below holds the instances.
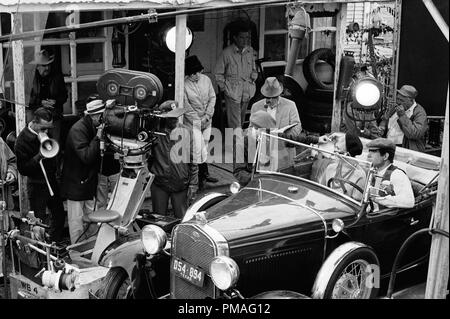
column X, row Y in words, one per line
column 270, row 204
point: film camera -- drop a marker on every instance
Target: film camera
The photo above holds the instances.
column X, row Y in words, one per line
column 130, row 118
column 131, row 125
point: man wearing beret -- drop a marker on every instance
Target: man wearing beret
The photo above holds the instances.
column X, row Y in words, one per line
column 392, row 185
column 406, row 123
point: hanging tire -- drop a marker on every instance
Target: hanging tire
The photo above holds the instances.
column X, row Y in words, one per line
column 316, row 123
column 350, row 277
column 115, row 285
column 316, row 108
column 309, row 67
column 320, row 95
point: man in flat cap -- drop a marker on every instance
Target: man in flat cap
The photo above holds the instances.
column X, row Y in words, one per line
column 175, row 177
column 406, row 123
column 392, row 185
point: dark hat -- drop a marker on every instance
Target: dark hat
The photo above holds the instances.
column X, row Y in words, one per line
column 408, row 91
column 170, row 109
column 43, row 58
column 262, row 119
column 271, row 87
column 353, row 144
column 381, row 143
column 192, row 65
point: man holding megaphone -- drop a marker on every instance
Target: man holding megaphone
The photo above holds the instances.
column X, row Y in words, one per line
column 36, row 158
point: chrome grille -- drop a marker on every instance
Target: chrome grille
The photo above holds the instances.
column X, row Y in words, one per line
column 194, row 246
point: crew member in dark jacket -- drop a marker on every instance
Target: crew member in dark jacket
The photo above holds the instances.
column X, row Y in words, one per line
column 27, row 149
column 48, row 90
column 81, row 166
column 406, row 123
column 175, row 177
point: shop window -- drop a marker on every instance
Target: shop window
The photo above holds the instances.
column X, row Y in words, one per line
column 54, row 20
column 275, row 47
column 85, row 89
column 27, row 22
column 5, row 23
column 90, row 16
column 275, row 18
column 90, row 58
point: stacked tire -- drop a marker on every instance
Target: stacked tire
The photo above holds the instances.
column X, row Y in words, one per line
column 317, row 107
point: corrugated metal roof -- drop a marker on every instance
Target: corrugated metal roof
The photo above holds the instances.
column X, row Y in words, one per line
column 50, row 5
column 56, row 2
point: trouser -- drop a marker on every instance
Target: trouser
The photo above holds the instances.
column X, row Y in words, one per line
column 235, row 112
column 75, row 212
column 40, row 199
column 160, row 201
column 105, row 185
column 200, row 143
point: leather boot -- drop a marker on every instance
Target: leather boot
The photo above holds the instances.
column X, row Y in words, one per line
column 208, row 177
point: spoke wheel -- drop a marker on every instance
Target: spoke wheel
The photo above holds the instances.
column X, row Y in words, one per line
column 351, row 283
column 355, row 276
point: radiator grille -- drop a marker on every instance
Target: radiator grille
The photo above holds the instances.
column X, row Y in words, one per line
column 195, row 247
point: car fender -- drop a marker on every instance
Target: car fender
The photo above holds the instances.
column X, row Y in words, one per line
column 330, row 264
column 203, row 203
column 280, row 294
column 122, row 253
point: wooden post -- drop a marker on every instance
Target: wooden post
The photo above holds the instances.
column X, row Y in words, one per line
column 179, row 58
column 340, row 38
column 437, row 279
column 438, row 270
column 19, row 97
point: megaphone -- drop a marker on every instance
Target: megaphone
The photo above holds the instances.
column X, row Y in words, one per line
column 49, row 147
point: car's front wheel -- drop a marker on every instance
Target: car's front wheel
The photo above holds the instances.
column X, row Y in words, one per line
column 355, row 277
column 116, row 285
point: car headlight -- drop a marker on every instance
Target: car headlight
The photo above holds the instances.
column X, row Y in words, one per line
column 235, row 187
column 153, row 239
column 224, row 272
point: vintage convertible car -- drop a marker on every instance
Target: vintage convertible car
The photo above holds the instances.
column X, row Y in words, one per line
column 284, row 235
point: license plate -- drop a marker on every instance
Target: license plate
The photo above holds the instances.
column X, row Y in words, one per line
column 188, row 272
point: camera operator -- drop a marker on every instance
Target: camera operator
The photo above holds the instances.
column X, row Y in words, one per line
column 81, row 167
column 27, row 149
column 177, row 180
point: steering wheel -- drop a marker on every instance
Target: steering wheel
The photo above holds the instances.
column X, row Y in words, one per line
column 344, row 181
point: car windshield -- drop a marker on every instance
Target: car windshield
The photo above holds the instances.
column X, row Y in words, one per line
column 319, row 164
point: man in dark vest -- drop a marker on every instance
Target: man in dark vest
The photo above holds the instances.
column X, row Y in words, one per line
column 393, row 185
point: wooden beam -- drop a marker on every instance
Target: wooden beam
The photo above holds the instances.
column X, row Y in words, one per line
column 19, row 97
column 180, row 45
column 341, row 25
column 438, row 269
column 437, row 17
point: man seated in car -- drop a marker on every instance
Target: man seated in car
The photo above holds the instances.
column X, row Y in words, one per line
column 392, row 186
column 343, row 174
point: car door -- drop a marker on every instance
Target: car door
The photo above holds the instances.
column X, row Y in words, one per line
column 388, row 229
